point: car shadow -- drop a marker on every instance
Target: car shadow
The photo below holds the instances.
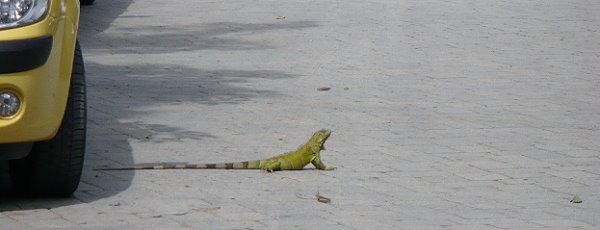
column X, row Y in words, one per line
column 117, row 92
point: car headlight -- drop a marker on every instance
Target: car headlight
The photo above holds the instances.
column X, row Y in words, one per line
column 21, row 12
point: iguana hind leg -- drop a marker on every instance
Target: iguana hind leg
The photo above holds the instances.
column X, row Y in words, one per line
column 273, row 165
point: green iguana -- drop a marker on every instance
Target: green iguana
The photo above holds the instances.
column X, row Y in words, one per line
column 307, row 153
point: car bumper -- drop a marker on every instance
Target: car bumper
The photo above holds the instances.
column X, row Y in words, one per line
column 35, row 64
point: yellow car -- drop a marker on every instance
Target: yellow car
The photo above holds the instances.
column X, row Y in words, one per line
column 42, row 96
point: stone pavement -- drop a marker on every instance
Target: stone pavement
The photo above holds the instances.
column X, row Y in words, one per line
column 446, row 115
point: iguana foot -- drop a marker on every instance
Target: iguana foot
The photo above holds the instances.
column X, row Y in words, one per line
column 329, row 168
column 265, row 169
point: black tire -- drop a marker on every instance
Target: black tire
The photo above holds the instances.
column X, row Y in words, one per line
column 53, row 168
column 86, row 2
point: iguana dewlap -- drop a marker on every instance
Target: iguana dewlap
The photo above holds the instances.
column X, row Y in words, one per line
column 307, row 153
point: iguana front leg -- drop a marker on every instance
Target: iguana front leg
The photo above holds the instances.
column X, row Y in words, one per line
column 316, row 161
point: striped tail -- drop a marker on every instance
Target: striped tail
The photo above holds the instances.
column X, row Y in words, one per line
column 152, row 166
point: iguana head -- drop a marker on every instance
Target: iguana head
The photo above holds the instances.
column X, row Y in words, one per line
column 320, row 137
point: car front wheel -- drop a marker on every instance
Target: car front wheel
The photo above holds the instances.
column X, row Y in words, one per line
column 53, row 167
column 86, row 2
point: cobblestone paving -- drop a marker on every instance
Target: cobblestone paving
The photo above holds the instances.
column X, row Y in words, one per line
column 446, row 115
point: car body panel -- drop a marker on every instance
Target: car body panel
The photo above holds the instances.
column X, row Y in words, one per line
column 44, row 90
